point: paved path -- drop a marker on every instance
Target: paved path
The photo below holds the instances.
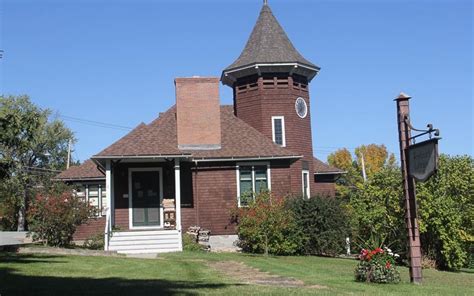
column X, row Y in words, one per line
column 8, row 238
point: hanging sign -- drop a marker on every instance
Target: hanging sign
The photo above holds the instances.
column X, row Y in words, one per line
column 423, row 159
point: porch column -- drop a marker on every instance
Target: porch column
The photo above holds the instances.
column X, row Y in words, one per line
column 177, row 200
column 108, row 195
column 109, row 187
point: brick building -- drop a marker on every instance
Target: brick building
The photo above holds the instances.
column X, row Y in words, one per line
column 199, row 159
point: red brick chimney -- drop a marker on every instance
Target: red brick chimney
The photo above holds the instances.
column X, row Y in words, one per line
column 198, row 113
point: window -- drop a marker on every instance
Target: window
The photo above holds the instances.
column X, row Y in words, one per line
column 278, row 130
column 94, row 194
column 305, row 183
column 251, row 179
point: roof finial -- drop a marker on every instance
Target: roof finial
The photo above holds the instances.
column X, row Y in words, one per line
column 265, row 2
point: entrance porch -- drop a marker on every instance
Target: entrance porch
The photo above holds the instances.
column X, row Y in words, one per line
column 144, row 205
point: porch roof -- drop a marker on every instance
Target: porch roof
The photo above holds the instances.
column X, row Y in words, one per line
column 87, row 171
column 321, row 168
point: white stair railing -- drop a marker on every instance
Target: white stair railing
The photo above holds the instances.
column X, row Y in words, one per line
column 107, row 230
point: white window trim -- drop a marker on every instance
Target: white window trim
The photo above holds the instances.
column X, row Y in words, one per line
column 237, row 175
column 308, row 190
column 283, row 134
column 130, row 197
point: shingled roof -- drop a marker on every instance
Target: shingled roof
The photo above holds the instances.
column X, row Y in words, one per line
column 239, row 140
column 86, row 171
column 268, row 43
column 323, row 168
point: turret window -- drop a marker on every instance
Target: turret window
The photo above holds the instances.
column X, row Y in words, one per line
column 305, row 183
column 278, row 130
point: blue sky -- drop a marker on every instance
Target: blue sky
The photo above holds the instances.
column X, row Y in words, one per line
column 115, row 61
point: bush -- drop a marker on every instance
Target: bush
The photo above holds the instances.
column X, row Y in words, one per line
column 9, row 214
column 377, row 266
column 446, row 211
column 377, row 205
column 324, row 223
column 95, row 242
column 267, row 226
column 53, row 217
column 190, row 243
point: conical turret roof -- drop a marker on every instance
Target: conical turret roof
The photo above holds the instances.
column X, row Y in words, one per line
column 268, row 44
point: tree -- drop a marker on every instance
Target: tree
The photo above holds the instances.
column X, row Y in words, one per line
column 32, row 148
column 375, row 156
column 323, row 222
column 377, row 207
column 446, row 210
column 341, row 159
column 54, row 215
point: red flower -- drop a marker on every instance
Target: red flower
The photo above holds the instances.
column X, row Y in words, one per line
column 387, row 265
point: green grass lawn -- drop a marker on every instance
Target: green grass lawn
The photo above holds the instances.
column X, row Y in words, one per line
column 188, row 274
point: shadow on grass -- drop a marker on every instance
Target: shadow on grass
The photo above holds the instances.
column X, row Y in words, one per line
column 10, row 257
column 15, row 283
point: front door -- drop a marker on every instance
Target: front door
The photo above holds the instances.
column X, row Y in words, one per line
column 146, row 197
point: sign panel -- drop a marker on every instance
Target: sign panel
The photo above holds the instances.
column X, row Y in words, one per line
column 423, row 159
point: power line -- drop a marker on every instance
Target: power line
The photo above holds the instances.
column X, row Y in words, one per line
column 95, row 123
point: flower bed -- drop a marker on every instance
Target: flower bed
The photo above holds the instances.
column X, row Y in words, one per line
column 377, row 266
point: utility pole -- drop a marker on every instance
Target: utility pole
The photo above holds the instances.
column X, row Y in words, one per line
column 68, row 154
column 364, row 175
column 413, row 234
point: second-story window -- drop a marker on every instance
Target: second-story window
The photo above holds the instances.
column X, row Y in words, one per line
column 278, row 130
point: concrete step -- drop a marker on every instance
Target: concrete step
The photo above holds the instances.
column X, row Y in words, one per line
column 149, row 241
column 144, row 232
column 149, row 251
column 131, row 244
column 144, row 237
column 174, row 245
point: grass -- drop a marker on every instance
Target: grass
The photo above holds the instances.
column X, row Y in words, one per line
column 187, row 274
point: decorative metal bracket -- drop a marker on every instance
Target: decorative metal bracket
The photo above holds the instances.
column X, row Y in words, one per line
column 430, row 131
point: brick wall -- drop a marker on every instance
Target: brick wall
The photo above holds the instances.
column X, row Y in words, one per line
column 215, row 194
column 256, row 106
column 210, row 192
column 92, row 227
column 324, row 189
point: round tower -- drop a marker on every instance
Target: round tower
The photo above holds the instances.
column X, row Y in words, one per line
column 270, row 84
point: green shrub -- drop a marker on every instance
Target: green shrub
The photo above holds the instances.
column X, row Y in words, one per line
column 324, row 224
column 446, row 212
column 190, row 243
column 53, row 217
column 95, row 242
column 267, row 226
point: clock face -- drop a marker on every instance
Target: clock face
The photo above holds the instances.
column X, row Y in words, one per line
column 301, row 107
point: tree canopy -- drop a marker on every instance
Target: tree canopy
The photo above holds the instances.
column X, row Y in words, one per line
column 33, row 147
